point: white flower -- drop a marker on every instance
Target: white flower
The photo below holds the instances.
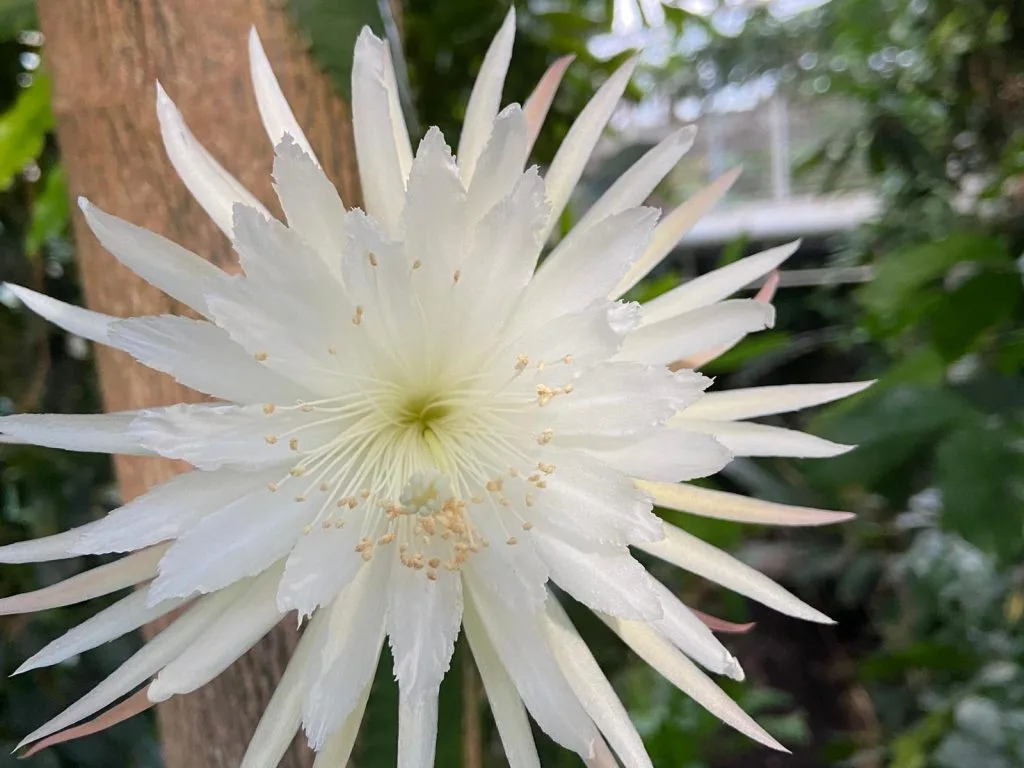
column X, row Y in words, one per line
column 421, row 431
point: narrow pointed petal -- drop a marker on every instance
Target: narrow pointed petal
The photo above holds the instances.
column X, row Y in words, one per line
column 283, row 715
column 503, row 698
column 690, row 635
column 55, row 547
column 500, row 166
column 399, row 127
column 81, row 322
column 277, row 116
column 732, row 506
column 743, row 438
column 485, row 98
column 338, row 749
column 124, row 616
column 666, row 454
column 537, row 106
column 86, row 432
column 685, row 675
column 634, row 186
column 310, row 201
column 696, row 330
column 134, row 705
column 754, row 402
column 579, row 143
column 717, row 285
column 176, row 271
column 716, row 624
column 96, row 582
column 592, row 688
column 417, row 730
column 216, row 190
column 672, row 228
column 700, row 558
column 603, row 757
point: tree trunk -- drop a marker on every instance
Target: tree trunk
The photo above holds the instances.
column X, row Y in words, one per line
column 104, row 56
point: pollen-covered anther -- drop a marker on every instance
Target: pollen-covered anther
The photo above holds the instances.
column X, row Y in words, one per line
column 300, row 498
column 261, row 356
column 567, row 359
column 294, row 443
column 269, row 408
column 527, row 526
column 432, row 575
column 332, row 350
column 417, row 264
column 270, row 439
column 495, row 485
column 357, row 317
column 373, row 258
column 546, row 436
column 387, row 538
column 297, row 471
column 547, row 469
column 529, row 500
column 325, row 487
column 457, row 275
column 512, row 541
column 522, row 362
column 272, row 487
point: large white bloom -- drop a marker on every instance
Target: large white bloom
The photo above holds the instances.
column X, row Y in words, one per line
column 418, row 430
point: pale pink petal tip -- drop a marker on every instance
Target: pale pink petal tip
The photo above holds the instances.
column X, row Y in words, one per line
column 133, row 705
column 716, row 624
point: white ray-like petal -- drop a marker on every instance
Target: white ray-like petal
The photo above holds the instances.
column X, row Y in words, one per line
column 55, row 547
column 682, row 673
column 85, row 432
column 683, row 335
column 175, row 270
column 537, row 105
column 693, row 637
column 485, row 98
column 124, row 616
column 718, row 284
column 579, row 142
column 698, row 557
column 502, row 696
column 603, row 757
column 672, row 228
column 591, row 686
column 338, row 748
column 320, row 565
column 399, row 126
column 500, row 166
column 216, row 190
column 746, row 439
column 90, row 325
column 663, row 454
column 95, row 582
column 751, row 403
column 277, row 116
column 237, row 629
column 732, row 506
column 417, row 730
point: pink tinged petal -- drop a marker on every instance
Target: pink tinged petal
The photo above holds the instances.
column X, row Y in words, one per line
column 665, row 454
column 503, row 698
column 88, row 433
column 691, row 332
column 76, row 320
column 417, row 730
column 176, row 271
column 146, row 662
column 216, row 190
column 423, row 622
column 277, row 116
column 283, row 716
column 609, row 580
column 751, row 403
column 767, row 291
column 500, row 165
column 346, row 658
column 591, row 687
column 374, row 126
column 603, row 757
column 731, row 506
column 321, row 564
column 134, row 705
column 537, row 106
column 96, row 582
column 237, row 629
column 523, row 651
column 716, row 624
column 743, row 438
column 684, row 674
column 672, row 228
column 338, row 748
column 485, row 98
column 634, row 186
column 718, row 284
column 119, row 619
column 579, row 143
column 700, row 558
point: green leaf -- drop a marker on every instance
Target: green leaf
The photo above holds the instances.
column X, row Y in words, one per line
column 23, row 129
column 50, row 212
column 16, row 16
column 982, row 302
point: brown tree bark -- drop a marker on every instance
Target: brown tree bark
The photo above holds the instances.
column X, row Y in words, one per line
column 104, row 56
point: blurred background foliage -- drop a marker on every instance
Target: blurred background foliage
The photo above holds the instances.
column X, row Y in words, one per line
column 924, row 667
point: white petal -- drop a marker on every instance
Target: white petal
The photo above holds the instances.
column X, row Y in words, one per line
column 664, row 454
column 277, row 116
column 731, row 506
column 373, row 122
column 717, row 285
column 59, row 546
column 609, row 580
column 237, row 629
column 124, row 616
column 96, row 582
column 485, row 98
column 321, row 564
column 503, row 698
column 673, row 227
column 87, row 432
column 501, row 163
column 417, row 730
column 399, row 127
column 745, row 439
column 216, row 190
column 81, row 322
column 766, row 401
column 683, row 335
column 176, row 271
column 698, row 557
column 525, row 654
column 537, row 106
column 338, row 749
column 682, row 673
column 592, row 688
column 146, row 662
column 579, row 143
column 423, row 622
column 283, row 714
column 514, row 575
